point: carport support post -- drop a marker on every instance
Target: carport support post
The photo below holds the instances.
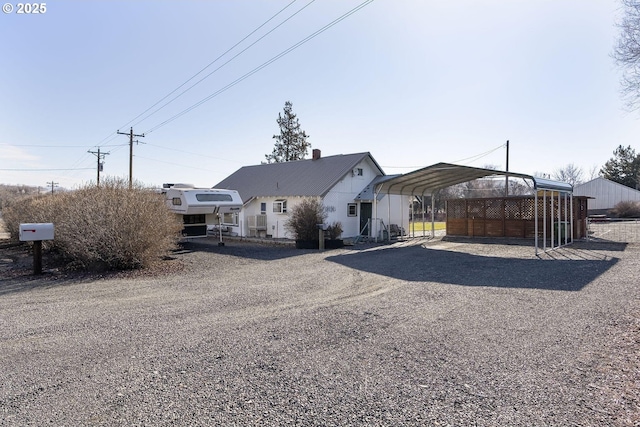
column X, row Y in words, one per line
column 535, row 215
column 566, row 223
column 424, row 213
column 433, row 209
column 571, row 204
column 544, row 220
column 37, row 257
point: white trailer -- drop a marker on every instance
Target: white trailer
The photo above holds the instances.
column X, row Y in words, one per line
column 201, row 208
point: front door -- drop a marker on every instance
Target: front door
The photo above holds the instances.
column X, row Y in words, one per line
column 366, row 210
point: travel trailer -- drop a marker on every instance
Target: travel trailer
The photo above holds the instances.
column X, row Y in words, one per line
column 202, row 208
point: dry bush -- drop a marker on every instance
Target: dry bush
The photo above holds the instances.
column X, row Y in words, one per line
column 106, row 227
column 12, row 192
column 627, row 209
column 304, row 219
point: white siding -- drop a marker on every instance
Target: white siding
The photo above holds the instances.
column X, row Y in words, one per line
column 343, row 193
column 336, row 201
column 606, row 194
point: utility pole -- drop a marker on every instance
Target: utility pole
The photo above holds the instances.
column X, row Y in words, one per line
column 506, row 179
column 52, row 184
column 131, row 135
column 100, row 156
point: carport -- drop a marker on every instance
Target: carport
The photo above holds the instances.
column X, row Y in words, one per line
column 429, row 180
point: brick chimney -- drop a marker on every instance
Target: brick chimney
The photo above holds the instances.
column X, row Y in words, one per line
column 315, row 154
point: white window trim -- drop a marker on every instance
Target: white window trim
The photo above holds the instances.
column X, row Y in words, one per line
column 280, row 206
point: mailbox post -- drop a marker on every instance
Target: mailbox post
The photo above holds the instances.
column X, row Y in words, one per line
column 321, row 228
column 36, row 233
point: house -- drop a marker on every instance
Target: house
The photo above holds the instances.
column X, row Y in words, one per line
column 346, row 185
column 605, row 194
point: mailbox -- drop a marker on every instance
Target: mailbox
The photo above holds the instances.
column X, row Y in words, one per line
column 36, row 232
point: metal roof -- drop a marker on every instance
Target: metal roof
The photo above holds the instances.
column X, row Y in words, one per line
column 432, row 178
column 366, row 195
column 305, row 178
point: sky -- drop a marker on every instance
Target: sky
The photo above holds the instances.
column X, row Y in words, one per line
column 412, row 82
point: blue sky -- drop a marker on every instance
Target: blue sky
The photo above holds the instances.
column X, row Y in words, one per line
column 412, row 82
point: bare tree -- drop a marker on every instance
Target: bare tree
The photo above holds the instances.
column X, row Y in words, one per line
column 571, row 174
column 627, row 53
column 594, row 172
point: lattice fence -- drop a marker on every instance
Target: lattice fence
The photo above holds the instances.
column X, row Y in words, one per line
column 512, row 216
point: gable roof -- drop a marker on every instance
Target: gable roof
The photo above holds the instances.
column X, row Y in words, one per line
column 600, row 184
column 306, row 178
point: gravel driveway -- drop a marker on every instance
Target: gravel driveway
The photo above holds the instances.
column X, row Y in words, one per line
column 448, row 333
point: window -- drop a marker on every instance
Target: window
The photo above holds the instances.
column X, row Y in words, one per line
column 280, row 206
column 263, row 208
column 352, row 209
column 176, row 201
column 230, row 218
column 359, row 171
column 194, row 219
column 214, row 197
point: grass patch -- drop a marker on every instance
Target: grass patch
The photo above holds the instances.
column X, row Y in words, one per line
column 427, row 226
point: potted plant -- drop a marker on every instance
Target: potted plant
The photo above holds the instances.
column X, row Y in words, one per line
column 333, row 232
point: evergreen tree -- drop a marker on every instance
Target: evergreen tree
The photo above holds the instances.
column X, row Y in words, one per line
column 291, row 143
column 623, row 167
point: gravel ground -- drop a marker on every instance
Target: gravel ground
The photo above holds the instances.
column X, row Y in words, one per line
column 442, row 333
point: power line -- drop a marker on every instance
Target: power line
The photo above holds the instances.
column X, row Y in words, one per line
column 174, row 164
column 113, row 136
column 479, row 156
column 221, row 66
column 474, row 158
column 213, row 62
column 55, row 146
column 44, row 170
column 263, row 65
column 190, row 152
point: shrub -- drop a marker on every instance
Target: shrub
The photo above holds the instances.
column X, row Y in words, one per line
column 106, row 227
column 627, row 209
column 334, row 230
column 304, row 219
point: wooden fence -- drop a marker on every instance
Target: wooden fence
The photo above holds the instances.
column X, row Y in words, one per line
column 512, row 216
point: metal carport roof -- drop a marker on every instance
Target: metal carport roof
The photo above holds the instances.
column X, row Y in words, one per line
column 440, row 175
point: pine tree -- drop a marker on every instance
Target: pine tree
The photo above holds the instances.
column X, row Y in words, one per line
column 291, row 143
column 623, row 167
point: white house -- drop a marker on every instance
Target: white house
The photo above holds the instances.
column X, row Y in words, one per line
column 346, row 185
column 605, row 193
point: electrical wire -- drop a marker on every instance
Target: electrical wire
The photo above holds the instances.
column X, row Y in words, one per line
column 213, row 62
column 174, row 164
column 54, row 146
column 45, row 170
column 112, row 136
column 190, row 152
column 262, row 66
column 479, row 156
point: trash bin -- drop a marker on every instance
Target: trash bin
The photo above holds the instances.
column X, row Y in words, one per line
column 561, row 229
